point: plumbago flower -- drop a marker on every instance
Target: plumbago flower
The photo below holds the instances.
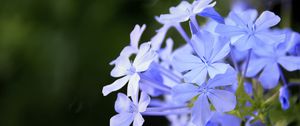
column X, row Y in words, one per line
column 129, row 71
column 246, row 31
column 195, row 84
column 222, row 100
column 209, row 52
column 129, row 111
column 184, row 11
column 268, row 61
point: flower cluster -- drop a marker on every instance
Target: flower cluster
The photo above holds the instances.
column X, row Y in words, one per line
column 212, row 79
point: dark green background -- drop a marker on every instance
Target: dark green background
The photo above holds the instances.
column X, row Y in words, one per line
column 54, row 56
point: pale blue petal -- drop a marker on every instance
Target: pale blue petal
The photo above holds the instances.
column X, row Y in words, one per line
column 255, row 65
column 146, row 62
column 122, row 103
column 213, row 14
column 270, row 38
column 229, row 31
column 135, row 35
column 203, row 43
column 220, row 50
column 246, row 42
column 290, row 63
column 133, row 86
column 229, row 78
column 266, row 20
column 122, row 65
column 122, row 119
column 118, row 84
column 138, row 120
column 159, row 37
column 222, row 100
column 201, row 112
column 270, row 76
column 237, row 18
column 197, row 75
column 143, row 102
column 144, row 57
column 183, row 62
column 128, row 51
column 217, row 68
column 184, row 92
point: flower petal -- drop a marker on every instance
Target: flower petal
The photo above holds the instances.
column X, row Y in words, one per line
column 220, row 50
column 184, row 62
column 197, row 75
column 122, row 119
column 229, row 30
column 122, row 64
column 255, row 65
column 143, row 102
column 229, row 78
column 266, row 20
column 133, row 87
column 122, row 103
column 184, row 92
column 138, row 120
column 217, row 68
column 201, row 111
column 290, row 63
column 144, row 57
column 270, row 76
column 213, row 14
column 118, row 84
column 222, row 100
column 136, row 34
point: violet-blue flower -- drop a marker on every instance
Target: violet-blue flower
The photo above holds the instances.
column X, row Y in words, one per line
column 129, row 71
column 209, row 51
column 268, row 60
column 129, row 111
column 222, row 100
column 246, row 31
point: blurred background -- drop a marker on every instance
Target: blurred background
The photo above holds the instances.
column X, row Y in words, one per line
column 54, row 55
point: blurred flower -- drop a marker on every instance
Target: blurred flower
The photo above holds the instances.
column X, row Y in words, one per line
column 222, row 100
column 246, row 31
column 209, row 52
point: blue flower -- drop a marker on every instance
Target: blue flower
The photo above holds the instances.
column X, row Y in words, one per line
column 284, row 97
column 246, row 31
column 129, row 111
column 222, row 100
column 209, row 52
column 184, row 11
column 268, row 60
column 129, row 71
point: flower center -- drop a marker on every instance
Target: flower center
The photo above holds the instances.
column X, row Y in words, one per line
column 131, row 70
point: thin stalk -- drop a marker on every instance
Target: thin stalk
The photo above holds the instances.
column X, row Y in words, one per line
column 282, row 77
column 247, row 62
column 183, row 33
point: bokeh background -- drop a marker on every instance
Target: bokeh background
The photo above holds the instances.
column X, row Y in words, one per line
column 54, row 55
